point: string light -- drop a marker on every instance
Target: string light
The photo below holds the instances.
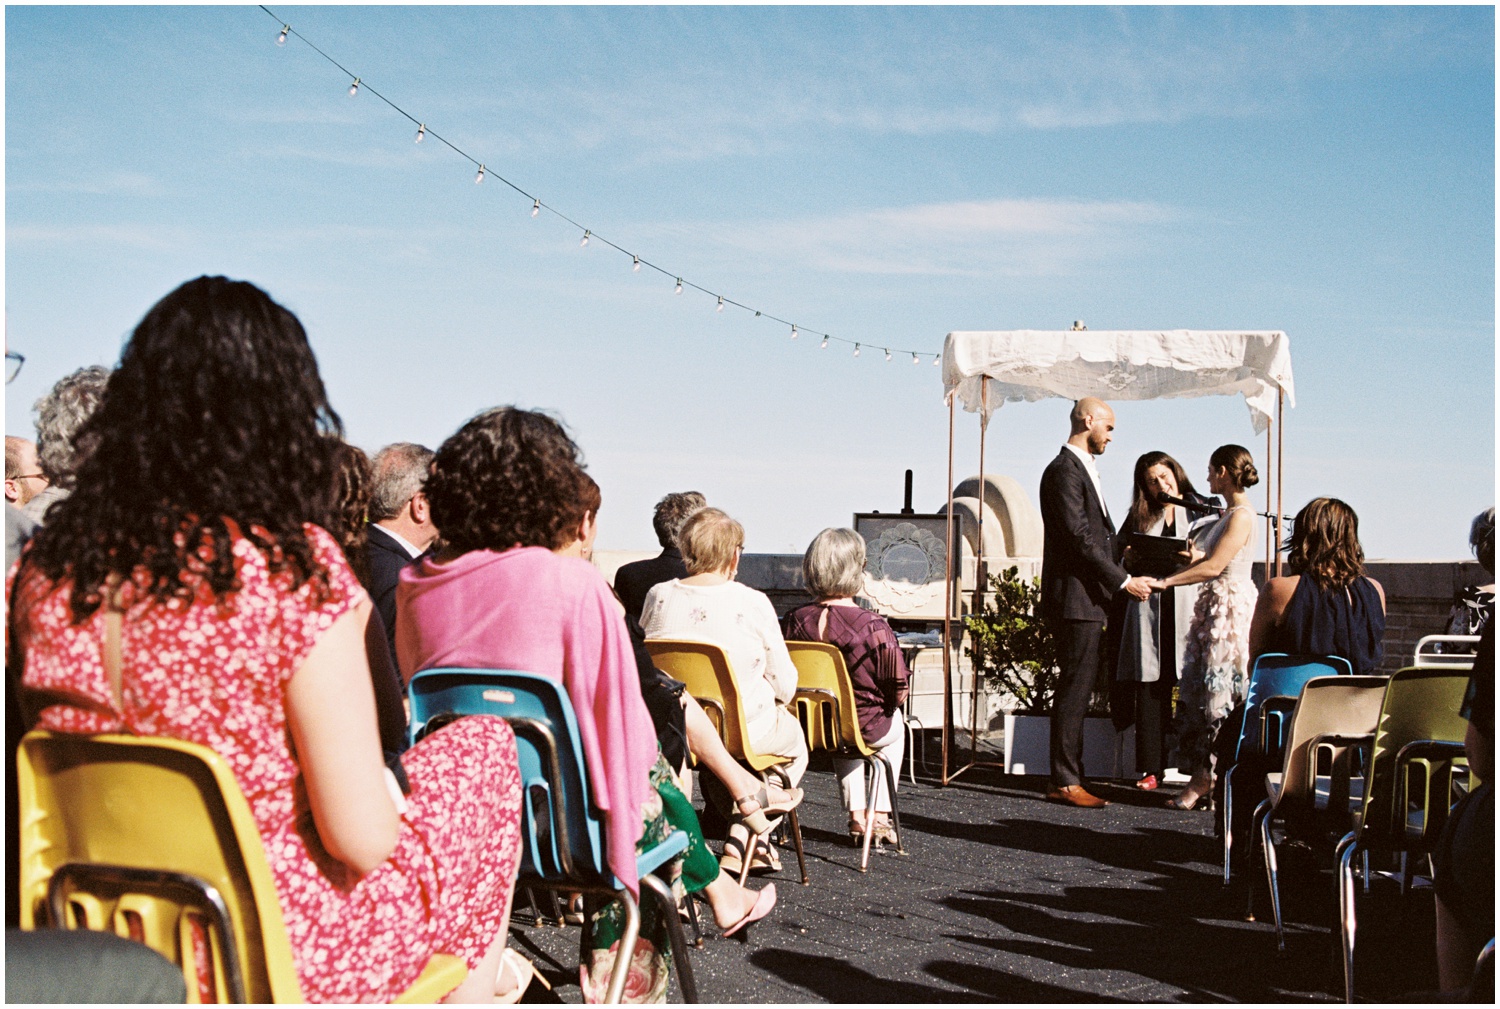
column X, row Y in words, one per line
column 536, row 203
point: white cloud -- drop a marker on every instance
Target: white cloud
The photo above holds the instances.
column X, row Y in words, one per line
column 135, row 236
column 126, row 183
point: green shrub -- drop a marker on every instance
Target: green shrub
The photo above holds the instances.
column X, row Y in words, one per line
column 1009, row 645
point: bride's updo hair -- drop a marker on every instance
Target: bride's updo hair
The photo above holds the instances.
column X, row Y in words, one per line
column 1236, row 459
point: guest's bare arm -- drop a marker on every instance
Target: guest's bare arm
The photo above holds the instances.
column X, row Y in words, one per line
column 1269, row 608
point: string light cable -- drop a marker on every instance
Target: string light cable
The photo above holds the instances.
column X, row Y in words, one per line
column 358, row 85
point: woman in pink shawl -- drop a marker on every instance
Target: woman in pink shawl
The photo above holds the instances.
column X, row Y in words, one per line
column 504, row 492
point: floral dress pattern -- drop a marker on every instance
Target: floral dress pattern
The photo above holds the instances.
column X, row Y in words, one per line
column 215, row 673
column 1216, row 658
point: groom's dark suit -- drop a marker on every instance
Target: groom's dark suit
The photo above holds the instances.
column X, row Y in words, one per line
column 1079, row 575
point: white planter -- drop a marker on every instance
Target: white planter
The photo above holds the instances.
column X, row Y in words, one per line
column 1106, row 753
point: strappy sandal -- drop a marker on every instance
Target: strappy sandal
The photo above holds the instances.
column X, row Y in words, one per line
column 764, row 901
column 759, row 820
column 733, row 859
column 523, row 970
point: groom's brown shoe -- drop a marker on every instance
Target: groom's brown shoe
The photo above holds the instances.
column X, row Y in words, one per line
column 1075, row 795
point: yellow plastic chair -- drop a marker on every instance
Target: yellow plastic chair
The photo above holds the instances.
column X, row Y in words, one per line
column 826, row 708
column 151, row 838
column 705, row 669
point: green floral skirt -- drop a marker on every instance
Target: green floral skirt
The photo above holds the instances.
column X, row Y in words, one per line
column 604, row 919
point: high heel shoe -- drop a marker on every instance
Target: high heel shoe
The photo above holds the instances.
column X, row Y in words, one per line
column 758, row 821
column 764, row 901
column 1204, row 801
column 733, row 859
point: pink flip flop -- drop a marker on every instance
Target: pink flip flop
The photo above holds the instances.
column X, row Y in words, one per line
column 764, row 901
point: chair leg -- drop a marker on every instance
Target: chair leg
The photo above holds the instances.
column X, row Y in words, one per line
column 1268, row 847
column 1405, row 874
column 870, row 781
column 625, row 951
column 692, row 910
column 1347, row 923
column 1250, row 859
column 678, row 941
column 892, row 776
column 797, row 841
column 1365, row 869
column 1228, row 819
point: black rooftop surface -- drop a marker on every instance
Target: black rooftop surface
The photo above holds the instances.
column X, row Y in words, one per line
column 1005, row 897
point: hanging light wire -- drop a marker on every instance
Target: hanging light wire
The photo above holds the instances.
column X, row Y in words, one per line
column 358, row 83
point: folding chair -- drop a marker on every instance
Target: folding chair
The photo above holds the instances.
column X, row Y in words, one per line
column 825, row 706
column 563, row 831
column 151, row 838
column 705, row 669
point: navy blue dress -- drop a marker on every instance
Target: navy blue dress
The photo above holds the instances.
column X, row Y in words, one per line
column 1347, row 622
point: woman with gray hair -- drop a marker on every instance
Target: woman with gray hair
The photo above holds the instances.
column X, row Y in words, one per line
column 834, row 569
column 60, row 417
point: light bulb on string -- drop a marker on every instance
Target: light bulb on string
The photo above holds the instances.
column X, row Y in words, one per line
column 281, row 39
column 636, row 265
column 583, row 243
column 914, row 358
column 824, row 344
column 937, row 359
column 888, row 353
column 480, row 176
column 794, row 332
column 421, row 133
column 856, row 350
column 721, row 304
column 678, row 289
column 536, row 207
column 354, row 88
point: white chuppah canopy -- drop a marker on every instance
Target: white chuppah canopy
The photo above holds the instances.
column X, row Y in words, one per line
column 1030, row 364
column 985, row 369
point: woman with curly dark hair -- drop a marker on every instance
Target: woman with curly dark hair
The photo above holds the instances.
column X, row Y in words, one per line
column 508, row 492
column 188, row 588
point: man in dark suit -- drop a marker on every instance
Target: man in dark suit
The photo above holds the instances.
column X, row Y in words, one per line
column 1079, row 576
column 634, row 580
column 401, row 526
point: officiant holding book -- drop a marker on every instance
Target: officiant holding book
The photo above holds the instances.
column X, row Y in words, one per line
column 1153, row 542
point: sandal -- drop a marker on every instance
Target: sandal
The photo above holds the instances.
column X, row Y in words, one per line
column 764, row 901
column 523, row 970
column 733, row 859
column 758, row 820
column 885, row 831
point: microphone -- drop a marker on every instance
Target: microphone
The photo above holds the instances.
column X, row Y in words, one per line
column 1200, row 505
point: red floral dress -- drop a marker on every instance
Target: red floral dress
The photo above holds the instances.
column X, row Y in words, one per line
column 216, row 674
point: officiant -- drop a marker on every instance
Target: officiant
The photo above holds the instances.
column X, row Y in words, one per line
column 1154, row 541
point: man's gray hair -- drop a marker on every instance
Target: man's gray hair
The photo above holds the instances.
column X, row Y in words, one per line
column 672, row 513
column 398, row 473
column 59, row 416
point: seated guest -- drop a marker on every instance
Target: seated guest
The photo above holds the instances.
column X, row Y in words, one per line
column 637, row 578
column 1471, row 611
column 401, row 526
column 349, row 528
column 23, row 476
column 834, row 568
column 187, row 588
column 505, row 490
column 682, row 727
column 710, row 606
column 60, row 418
column 1326, row 605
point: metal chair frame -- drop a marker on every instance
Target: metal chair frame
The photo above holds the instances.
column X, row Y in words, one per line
column 556, row 855
column 1424, row 659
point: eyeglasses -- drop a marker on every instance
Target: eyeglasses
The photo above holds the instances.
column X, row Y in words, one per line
column 31, row 476
column 13, row 362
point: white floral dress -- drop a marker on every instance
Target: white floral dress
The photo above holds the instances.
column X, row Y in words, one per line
column 1216, row 659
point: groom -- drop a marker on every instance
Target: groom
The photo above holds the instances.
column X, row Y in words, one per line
column 1079, row 575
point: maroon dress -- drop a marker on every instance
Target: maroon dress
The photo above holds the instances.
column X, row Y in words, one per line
column 871, row 652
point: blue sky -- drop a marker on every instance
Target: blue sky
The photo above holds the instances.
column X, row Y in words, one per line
column 886, row 175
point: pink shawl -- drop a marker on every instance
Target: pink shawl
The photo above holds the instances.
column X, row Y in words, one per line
column 528, row 609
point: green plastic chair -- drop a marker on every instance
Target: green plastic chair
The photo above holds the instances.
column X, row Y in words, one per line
column 1416, row 754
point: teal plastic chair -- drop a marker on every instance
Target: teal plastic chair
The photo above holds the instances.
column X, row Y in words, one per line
column 1409, row 780
column 562, row 829
column 1276, row 680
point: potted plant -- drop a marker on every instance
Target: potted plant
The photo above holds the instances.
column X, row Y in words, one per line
column 1012, row 651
